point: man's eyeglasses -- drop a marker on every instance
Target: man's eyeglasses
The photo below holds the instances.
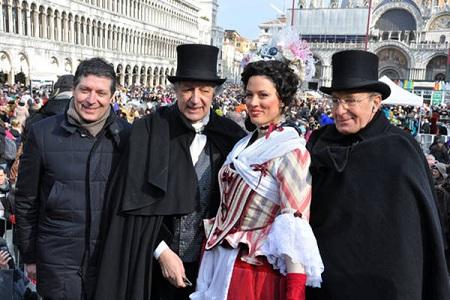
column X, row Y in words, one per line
column 345, row 101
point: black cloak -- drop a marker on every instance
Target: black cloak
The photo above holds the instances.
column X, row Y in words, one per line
column 156, row 178
column 374, row 215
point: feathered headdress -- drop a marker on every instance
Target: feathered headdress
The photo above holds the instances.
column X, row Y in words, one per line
column 286, row 46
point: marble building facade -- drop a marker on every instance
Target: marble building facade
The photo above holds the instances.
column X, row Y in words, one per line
column 41, row 39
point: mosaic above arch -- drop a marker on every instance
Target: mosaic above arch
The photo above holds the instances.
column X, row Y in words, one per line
column 441, row 23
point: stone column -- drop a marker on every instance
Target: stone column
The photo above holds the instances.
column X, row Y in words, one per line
column 94, row 35
column 19, row 19
column 121, row 78
column 114, row 39
column 44, row 25
column 71, row 31
column 58, row 28
column 51, row 26
column 28, row 16
column 1, row 18
column 138, row 78
column 10, row 18
column 35, row 17
column 64, row 33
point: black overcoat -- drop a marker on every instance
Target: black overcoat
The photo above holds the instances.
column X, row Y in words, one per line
column 374, row 215
column 155, row 179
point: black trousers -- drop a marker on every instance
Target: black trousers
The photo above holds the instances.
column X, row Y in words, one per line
column 163, row 290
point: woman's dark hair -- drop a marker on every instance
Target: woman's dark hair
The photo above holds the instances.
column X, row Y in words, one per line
column 283, row 77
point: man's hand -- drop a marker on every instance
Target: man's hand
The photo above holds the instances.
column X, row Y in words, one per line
column 4, row 259
column 172, row 268
column 31, row 271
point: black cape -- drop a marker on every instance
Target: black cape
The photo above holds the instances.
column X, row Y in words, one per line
column 374, row 215
column 152, row 179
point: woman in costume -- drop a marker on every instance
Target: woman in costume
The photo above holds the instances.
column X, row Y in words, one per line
column 260, row 245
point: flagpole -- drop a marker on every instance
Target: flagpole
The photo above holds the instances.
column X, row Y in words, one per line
column 368, row 26
column 292, row 15
column 447, row 75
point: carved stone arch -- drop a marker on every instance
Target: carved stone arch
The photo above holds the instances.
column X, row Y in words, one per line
column 119, row 68
column 155, row 76
column 149, row 76
column 135, row 74
column 401, row 47
column 24, row 64
column 392, row 72
column 439, row 22
column 436, row 66
column 127, row 75
column 162, row 77
column 394, row 58
column 409, row 7
column 5, row 67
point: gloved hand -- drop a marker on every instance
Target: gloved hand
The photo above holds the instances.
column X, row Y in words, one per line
column 295, row 286
column 12, row 219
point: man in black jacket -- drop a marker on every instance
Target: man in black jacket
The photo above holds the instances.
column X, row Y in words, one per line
column 63, row 175
column 56, row 104
column 166, row 185
column 373, row 209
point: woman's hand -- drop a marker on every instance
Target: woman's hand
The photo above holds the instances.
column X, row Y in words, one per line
column 172, row 268
column 4, row 259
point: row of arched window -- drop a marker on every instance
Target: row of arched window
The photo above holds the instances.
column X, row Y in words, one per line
column 176, row 16
column 60, row 26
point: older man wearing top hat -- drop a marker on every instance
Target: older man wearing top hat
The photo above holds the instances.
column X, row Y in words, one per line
column 373, row 209
column 166, row 187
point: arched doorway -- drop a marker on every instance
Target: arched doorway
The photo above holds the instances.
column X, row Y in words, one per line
column 391, row 73
column 127, row 76
column 5, row 68
column 393, row 59
column 436, row 68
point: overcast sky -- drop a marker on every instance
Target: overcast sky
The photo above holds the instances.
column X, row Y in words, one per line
column 244, row 16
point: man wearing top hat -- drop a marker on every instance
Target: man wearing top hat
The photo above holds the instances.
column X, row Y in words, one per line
column 166, row 187
column 373, row 209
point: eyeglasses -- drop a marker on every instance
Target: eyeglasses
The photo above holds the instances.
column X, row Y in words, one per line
column 345, row 101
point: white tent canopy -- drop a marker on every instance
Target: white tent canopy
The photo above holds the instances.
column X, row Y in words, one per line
column 400, row 96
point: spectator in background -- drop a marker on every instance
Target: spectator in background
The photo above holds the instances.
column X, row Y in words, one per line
column 57, row 104
column 21, row 112
column 439, row 150
column 6, row 208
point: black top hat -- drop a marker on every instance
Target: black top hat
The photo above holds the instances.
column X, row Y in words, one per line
column 197, row 62
column 356, row 70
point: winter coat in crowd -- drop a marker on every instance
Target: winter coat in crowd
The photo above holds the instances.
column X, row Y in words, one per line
column 63, row 176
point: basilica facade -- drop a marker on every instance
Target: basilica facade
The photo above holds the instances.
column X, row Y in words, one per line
column 411, row 38
column 42, row 39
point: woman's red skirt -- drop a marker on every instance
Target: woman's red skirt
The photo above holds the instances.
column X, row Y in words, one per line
column 256, row 282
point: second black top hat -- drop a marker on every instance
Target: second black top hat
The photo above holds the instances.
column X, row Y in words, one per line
column 356, row 70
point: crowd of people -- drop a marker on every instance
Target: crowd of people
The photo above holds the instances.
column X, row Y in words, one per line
column 259, row 182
